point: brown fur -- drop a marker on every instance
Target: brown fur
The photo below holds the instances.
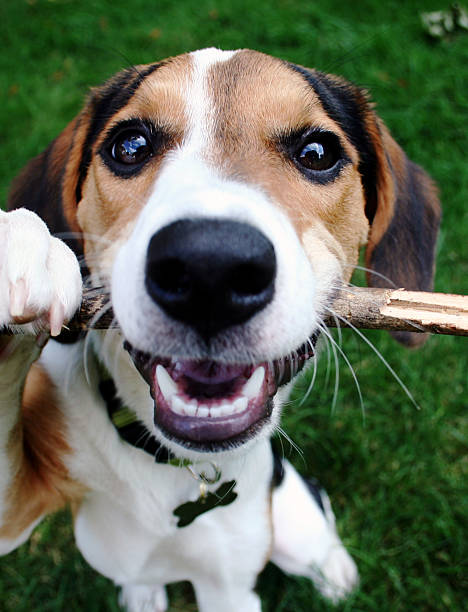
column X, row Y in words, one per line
column 256, row 98
column 41, row 483
column 110, row 205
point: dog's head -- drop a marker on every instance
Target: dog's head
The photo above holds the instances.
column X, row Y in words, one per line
column 223, row 198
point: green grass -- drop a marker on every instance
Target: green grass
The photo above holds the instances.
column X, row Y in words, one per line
column 397, row 475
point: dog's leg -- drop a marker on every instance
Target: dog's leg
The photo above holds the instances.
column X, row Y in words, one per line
column 213, row 597
column 142, row 598
column 305, row 541
column 40, row 283
column 15, row 361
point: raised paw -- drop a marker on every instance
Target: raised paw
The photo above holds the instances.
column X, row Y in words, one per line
column 40, row 280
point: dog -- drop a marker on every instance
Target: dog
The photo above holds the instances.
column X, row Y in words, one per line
column 221, row 199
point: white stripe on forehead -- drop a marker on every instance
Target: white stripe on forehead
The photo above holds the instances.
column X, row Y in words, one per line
column 199, row 103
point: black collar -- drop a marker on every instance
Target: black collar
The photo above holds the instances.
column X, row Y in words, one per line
column 130, row 428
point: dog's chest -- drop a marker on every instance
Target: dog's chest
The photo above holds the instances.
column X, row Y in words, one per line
column 119, row 544
column 126, row 524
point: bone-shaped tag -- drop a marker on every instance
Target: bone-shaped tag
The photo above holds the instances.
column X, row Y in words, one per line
column 223, row 496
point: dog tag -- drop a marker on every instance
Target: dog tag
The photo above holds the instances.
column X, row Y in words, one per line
column 223, row 496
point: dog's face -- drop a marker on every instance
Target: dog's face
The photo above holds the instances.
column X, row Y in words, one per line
column 223, row 198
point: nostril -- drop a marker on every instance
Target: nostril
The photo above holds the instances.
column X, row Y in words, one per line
column 170, row 277
column 250, row 279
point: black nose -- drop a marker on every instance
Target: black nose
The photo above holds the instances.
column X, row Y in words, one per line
column 210, row 273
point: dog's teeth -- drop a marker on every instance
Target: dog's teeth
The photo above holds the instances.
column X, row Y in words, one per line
column 240, row 404
column 165, row 382
column 253, row 385
column 225, row 409
column 203, row 411
column 191, row 409
column 179, row 406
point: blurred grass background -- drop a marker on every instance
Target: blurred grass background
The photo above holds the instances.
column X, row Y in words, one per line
column 397, row 475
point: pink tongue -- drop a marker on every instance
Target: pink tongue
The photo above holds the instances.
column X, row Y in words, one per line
column 208, row 372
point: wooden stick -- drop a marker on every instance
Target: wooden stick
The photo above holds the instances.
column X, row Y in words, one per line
column 389, row 309
column 401, row 310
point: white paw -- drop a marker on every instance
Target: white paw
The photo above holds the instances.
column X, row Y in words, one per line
column 40, row 280
column 338, row 576
column 306, row 542
column 141, row 598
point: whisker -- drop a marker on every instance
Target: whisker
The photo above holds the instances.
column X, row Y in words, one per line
column 326, row 342
column 337, row 368
column 300, row 452
column 88, row 348
column 350, row 367
column 86, row 235
column 314, row 376
column 374, row 273
column 384, row 361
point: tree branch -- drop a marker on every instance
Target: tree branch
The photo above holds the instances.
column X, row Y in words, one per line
column 362, row 307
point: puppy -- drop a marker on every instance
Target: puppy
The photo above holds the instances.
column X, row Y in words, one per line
column 220, row 199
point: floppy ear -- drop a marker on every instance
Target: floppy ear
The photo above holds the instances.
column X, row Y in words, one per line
column 51, row 184
column 48, row 183
column 404, row 218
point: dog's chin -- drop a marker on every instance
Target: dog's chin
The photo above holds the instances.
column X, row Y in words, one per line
column 212, row 406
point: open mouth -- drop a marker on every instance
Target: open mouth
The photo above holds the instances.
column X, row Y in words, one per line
column 211, row 405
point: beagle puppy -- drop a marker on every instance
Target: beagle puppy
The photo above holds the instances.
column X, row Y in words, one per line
column 220, row 199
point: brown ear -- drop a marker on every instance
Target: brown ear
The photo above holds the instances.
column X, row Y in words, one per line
column 51, row 184
column 47, row 185
column 404, row 221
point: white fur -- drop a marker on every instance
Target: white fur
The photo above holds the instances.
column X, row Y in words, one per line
column 142, row 598
column 45, row 266
column 198, row 99
column 305, row 539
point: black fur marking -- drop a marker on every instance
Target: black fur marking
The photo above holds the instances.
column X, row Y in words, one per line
column 104, row 106
column 278, row 469
column 44, row 197
column 415, row 226
column 340, row 103
column 315, row 489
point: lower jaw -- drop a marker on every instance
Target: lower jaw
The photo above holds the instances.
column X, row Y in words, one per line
column 216, row 433
column 213, row 435
column 205, row 439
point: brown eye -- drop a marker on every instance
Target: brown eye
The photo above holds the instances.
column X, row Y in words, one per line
column 317, row 156
column 131, row 148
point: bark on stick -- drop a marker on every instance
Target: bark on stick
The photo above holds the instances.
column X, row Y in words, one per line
column 361, row 307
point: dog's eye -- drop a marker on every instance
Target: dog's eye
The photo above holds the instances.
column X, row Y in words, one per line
column 318, row 155
column 131, row 148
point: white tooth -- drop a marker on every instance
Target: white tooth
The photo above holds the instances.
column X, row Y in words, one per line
column 215, row 411
column 253, row 385
column 203, row 411
column 165, row 382
column 191, row 409
column 240, row 404
column 225, row 409
column 178, row 405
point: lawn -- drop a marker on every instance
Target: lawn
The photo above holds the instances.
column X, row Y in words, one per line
column 396, row 474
